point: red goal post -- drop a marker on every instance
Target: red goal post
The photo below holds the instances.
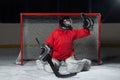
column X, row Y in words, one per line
column 24, row 32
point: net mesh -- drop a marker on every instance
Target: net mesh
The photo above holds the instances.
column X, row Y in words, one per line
column 41, row 26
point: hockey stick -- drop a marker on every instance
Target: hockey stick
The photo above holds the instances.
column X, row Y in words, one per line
column 37, row 41
column 48, row 58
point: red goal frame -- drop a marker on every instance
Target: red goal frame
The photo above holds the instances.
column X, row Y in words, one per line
column 57, row 14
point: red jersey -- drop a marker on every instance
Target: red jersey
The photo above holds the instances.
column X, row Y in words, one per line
column 62, row 42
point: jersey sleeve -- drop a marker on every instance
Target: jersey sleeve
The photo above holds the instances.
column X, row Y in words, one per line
column 80, row 33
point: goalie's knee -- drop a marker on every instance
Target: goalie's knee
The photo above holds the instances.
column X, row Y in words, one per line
column 87, row 64
column 74, row 65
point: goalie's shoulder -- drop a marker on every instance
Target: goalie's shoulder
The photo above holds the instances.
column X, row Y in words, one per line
column 53, row 31
column 56, row 30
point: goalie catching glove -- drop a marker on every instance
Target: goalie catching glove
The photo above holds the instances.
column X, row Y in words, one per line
column 88, row 22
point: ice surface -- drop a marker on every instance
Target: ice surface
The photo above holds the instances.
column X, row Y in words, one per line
column 109, row 70
column 29, row 71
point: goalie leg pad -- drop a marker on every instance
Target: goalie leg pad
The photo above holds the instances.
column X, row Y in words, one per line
column 39, row 64
column 74, row 65
column 47, row 68
column 43, row 66
column 87, row 64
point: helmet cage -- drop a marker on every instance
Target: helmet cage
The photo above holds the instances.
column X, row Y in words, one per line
column 66, row 23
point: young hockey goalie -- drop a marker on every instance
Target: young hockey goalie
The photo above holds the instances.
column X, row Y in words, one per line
column 60, row 45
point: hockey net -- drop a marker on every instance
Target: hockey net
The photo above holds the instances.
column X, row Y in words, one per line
column 40, row 25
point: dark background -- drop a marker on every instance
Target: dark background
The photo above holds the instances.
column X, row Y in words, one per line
column 10, row 9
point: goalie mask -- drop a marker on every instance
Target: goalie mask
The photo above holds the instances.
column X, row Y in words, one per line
column 65, row 23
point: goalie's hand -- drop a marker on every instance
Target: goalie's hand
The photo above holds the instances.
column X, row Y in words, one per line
column 88, row 22
column 45, row 51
